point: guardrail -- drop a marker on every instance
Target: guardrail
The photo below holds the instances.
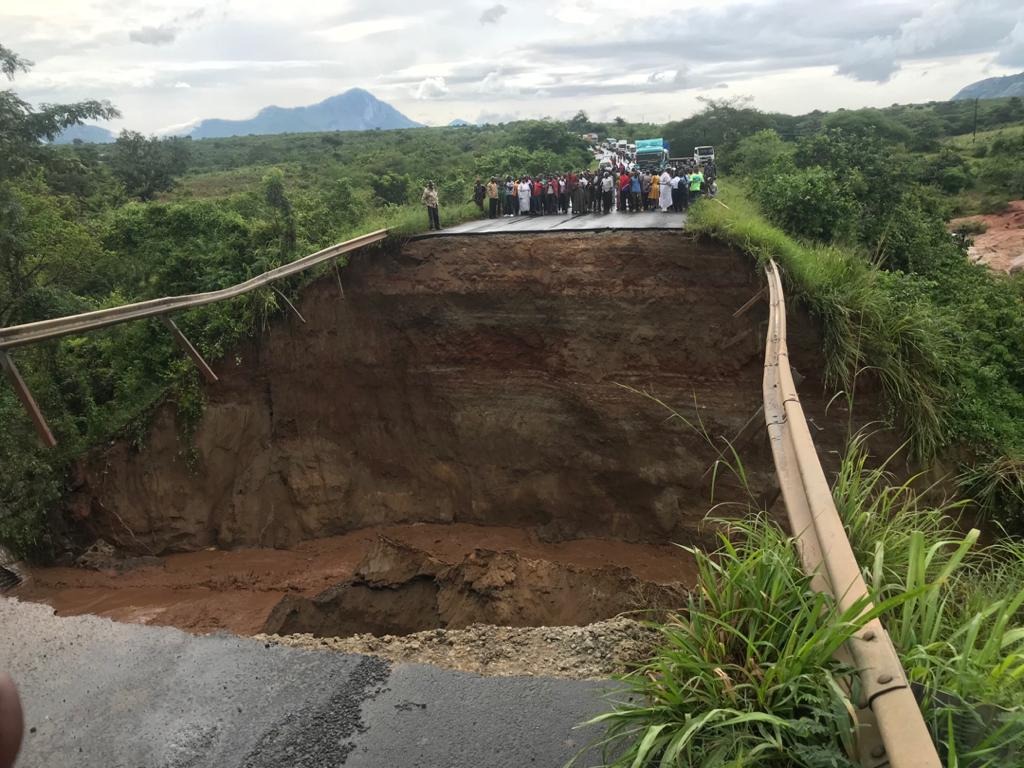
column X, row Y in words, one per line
column 30, row 333
column 892, row 731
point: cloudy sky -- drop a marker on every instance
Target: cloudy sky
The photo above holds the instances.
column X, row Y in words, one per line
column 171, row 62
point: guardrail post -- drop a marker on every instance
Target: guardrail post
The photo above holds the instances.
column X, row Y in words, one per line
column 25, row 395
column 190, row 350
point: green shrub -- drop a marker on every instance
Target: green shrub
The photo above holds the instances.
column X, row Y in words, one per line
column 811, row 203
column 746, row 673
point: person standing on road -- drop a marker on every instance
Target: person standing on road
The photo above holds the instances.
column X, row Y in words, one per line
column 635, row 191
column 608, row 192
column 645, row 189
column 665, row 190
column 624, row 182
column 492, row 198
column 696, row 182
column 525, row 188
column 655, row 194
column 429, row 199
column 479, row 192
column 677, row 205
column 511, row 197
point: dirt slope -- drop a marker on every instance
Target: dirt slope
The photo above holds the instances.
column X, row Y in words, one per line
column 470, row 380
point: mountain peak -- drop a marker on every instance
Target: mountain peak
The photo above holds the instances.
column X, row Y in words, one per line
column 353, row 110
column 993, row 88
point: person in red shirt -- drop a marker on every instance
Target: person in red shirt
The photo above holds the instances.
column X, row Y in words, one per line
column 623, row 191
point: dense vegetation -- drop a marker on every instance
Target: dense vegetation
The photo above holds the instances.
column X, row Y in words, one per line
column 859, row 227
column 84, row 227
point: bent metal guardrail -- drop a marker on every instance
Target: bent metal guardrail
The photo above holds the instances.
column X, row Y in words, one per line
column 30, row 333
column 892, row 731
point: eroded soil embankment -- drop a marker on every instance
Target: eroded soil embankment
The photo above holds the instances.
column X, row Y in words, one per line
column 457, row 440
column 471, row 380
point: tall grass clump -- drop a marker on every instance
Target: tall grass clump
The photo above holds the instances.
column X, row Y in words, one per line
column 746, row 673
column 959, row 625
column 869, row 323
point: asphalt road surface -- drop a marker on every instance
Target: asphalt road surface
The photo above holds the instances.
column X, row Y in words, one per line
column 568, row 223
column 112, row 695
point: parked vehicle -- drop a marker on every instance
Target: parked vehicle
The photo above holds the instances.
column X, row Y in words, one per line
column 703, row 155
column 652, row 154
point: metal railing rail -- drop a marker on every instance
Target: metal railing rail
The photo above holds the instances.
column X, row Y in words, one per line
column 31, row 333
column 902, row 739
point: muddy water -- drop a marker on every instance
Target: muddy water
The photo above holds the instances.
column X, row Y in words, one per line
column 238, row 590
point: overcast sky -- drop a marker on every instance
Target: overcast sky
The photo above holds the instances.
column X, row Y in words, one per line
column 171, row 62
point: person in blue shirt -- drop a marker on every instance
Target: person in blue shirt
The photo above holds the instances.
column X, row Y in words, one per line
column 635, row 188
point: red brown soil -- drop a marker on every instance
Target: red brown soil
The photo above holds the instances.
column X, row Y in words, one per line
column 463, row 399
column 236, row 591
column 1003, row 242
column 471, row 380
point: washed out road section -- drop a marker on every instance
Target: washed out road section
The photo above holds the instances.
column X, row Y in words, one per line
column 101, row 693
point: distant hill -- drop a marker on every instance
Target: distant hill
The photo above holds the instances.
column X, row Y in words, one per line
column 458, row 123
column 993, row 88
column 90, row 134
column 353, row 110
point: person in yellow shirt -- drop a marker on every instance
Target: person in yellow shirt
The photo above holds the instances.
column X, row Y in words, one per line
column 655, row 194
column 492, row 198
column 429, row 199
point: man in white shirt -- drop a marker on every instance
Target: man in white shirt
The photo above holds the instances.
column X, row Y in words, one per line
column 665, row 200
column 607, row 192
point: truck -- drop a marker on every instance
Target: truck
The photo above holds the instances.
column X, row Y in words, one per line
column 652, row 154
column 703, row 155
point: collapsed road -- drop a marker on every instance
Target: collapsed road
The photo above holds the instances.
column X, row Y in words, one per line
column 446, row 445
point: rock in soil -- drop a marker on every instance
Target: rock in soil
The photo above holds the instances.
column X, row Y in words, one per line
column 594, row 652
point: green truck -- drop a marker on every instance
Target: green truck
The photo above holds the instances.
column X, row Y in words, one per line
column 652, row 154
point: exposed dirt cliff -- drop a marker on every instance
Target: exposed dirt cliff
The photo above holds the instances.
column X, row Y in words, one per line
column 471, row 380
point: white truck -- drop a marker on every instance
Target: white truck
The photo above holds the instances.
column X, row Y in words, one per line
column 703, row 155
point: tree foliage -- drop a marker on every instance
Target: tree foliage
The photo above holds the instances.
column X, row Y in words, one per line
column 148, row 166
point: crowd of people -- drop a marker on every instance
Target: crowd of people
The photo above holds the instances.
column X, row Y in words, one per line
column 602, row 192
column 591, row 192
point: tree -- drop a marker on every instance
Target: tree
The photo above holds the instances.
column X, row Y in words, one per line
column 24, row 129
column 619, row 122
column 147, row 166
column 273, row 191
column 758, row 153
column 580, row 123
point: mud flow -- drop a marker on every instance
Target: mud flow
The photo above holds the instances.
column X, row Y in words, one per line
column 471, row 433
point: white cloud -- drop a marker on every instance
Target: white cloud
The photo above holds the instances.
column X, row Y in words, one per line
column 536, row 58
column 360, row 30
column 493, row 14
column 182, row 84
column 161, row 35
column 1012, row 52
column 431, row 88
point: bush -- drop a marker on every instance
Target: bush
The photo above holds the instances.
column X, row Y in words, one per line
column 811, row 203
column 762, row 153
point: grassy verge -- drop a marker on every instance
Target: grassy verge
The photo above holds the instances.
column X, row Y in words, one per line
column 746, row 673
column 869, row 324
column 940, row 348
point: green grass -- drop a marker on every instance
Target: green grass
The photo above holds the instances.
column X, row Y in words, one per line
column 869, row 327
column 746, row 672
